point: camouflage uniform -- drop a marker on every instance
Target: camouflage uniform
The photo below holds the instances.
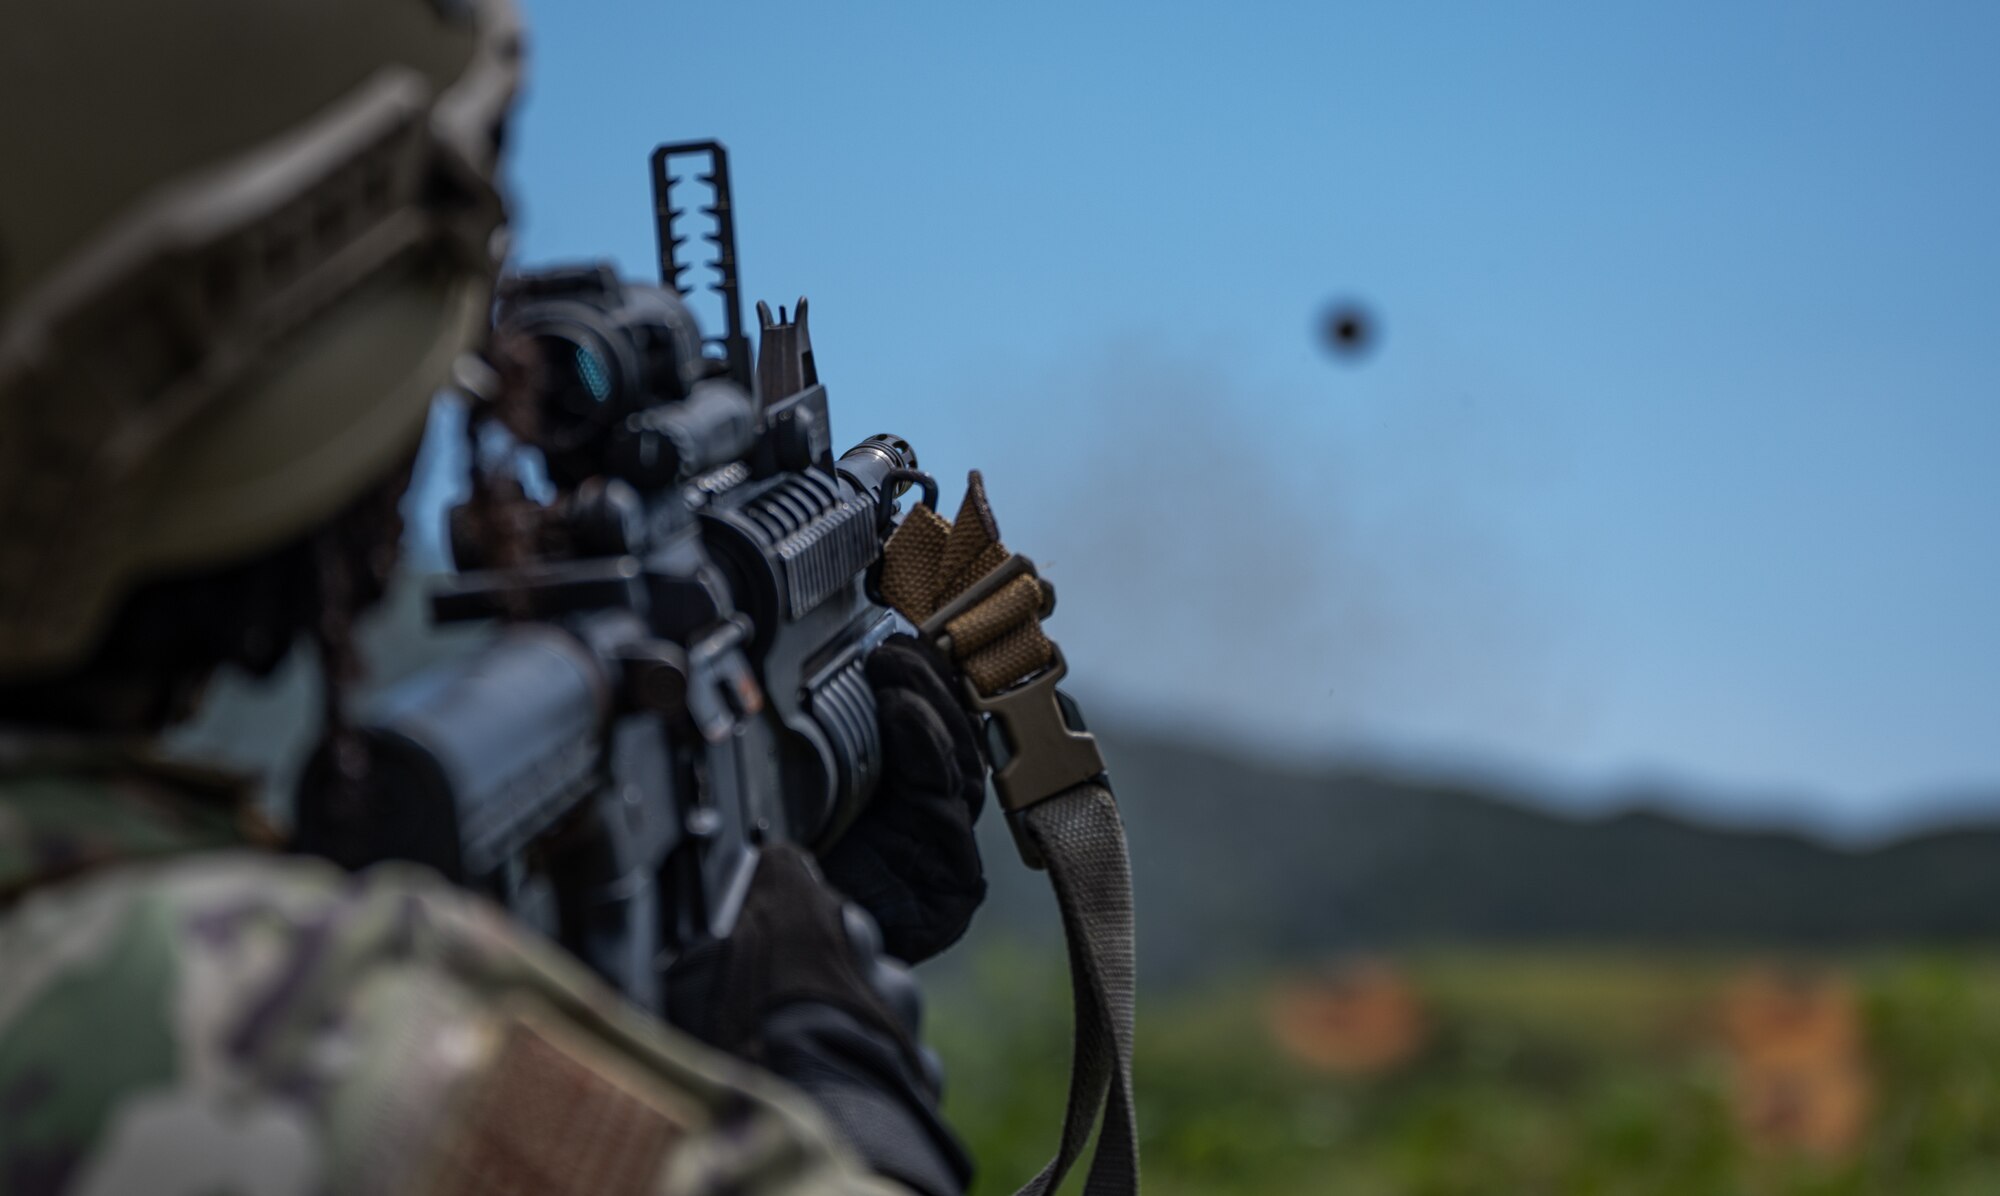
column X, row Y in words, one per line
column 181, row 1015
column 240, row 244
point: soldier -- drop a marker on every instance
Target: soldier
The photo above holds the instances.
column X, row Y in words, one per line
column 240, row 244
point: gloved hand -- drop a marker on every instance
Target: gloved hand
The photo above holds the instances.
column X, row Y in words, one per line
column 801, row 988
column 910, row 859
column 795, row 941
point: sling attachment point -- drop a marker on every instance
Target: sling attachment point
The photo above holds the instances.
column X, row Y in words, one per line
column 1039, row 744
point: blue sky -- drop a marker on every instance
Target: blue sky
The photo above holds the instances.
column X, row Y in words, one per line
column 1679, row 455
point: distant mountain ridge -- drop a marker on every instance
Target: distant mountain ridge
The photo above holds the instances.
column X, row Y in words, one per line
column 1239, row 866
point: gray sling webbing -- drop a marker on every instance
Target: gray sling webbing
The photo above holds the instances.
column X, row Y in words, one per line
column 1082, row 841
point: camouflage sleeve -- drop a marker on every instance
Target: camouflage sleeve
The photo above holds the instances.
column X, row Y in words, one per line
column 249, row 1024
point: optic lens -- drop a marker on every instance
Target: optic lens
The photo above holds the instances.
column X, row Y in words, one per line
column 578, row 379
column 596, row 379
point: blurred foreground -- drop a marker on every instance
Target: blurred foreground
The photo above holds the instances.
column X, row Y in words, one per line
column 1546, row 1072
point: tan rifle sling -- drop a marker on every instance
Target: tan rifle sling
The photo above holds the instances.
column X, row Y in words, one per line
column 984, row 606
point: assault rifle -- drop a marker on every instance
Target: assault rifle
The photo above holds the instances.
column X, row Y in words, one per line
column 677, row 678
column 677, row 675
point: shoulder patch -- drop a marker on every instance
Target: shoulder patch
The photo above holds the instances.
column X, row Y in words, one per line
column 555, row 1115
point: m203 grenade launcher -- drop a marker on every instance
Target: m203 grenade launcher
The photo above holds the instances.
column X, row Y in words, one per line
column 676, row 678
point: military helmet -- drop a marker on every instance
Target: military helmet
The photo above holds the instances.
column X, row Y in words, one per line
column 240, row 244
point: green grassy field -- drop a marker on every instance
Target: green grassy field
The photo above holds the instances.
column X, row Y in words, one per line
column 1581, row 1073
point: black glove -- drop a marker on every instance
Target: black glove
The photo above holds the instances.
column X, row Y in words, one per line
column 795, row 942
column 801, row 989
column 910, row 859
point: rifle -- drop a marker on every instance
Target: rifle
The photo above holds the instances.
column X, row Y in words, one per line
column 677, row 678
